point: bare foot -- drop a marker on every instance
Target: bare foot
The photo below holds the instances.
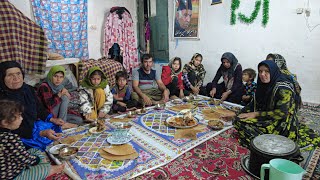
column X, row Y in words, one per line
column 56, row 169
column 69, row 125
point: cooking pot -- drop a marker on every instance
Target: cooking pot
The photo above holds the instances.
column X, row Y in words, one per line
column 266, row 147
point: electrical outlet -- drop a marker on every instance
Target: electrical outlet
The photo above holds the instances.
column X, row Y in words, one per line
column 299, row 10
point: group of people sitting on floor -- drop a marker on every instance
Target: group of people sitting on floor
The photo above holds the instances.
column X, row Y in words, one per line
column 271, row 104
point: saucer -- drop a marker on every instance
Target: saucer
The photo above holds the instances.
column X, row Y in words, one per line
column 93, row 130
column 245, row 165
column 118, row 141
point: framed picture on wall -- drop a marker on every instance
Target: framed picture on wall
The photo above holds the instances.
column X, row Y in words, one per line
column 186, row 19
column 216, row 2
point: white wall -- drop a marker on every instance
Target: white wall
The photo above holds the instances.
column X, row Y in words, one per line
column 286, row 34
column 97, row 9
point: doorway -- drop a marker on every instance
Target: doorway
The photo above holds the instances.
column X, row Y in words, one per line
column 153, row 19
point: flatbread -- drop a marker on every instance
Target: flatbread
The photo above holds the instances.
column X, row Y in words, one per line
column 71, row 139
column 182, row 107
column 112, row 157
column 120, row 150
column 224, row 112
column 189, row 133
column 210, row 114
column 125, row 119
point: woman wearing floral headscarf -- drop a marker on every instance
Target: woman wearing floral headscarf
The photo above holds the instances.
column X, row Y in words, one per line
column 231, row 89
column 281, row 63
column 193, row 75
column 273, row 110
column 172, row 78
column 96, row 98
column 56, row 97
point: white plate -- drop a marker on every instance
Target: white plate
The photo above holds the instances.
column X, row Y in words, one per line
column 181, row 127
column 184, row 111
column 176, row 101
column 55, row 149
column 93, row 130
column 118, row 141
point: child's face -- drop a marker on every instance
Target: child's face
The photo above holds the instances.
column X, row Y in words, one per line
column 245, row 77
column 176, row 65
column 95, row 80
column 14, row 124
column 122, row 82
column 57, row 78
column 197, row 61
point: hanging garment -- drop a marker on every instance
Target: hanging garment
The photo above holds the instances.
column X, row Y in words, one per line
column 65, row 25
column 22, row 40
column 119, row 29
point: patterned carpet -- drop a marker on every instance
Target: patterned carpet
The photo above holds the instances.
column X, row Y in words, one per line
column 219, row 157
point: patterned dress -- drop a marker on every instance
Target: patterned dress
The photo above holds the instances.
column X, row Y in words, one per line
column 278, row 116
column 18, row 163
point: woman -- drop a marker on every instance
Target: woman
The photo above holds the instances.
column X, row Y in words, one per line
column 95, row 96
column 281, row 63
column 273, row 110
column 56, row 97
column 193, row 75
column 231, row 89
column 172, row 78
column 33, row 132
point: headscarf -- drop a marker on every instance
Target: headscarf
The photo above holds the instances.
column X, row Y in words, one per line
column 199, row 70
column 279, row 60
column 265, row 90
column 170, row 65
column 86, row 82
column 24, row 95
column 56, row 89
column 227, row 74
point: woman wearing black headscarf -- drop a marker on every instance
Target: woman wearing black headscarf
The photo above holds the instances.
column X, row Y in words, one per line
column 33, row 133
column 231, row 89
column 273, row 110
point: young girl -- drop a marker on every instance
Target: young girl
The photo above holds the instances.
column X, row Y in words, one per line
column 172, row 77
column 122, row 94
column 56, row 97
column 193, row 75
column 16, row 161
column 95, row 96
column 231, row 89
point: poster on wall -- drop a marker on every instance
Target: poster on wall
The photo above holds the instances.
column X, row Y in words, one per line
column 186, row 19
column 216, row 2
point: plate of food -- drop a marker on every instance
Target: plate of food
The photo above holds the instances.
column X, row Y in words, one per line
column 56, row 149
column 216, row 124
column 141, row 111
column 182, row 121
column 177, row 101
column 95, row 130
column 68, row 152
column 117, row 140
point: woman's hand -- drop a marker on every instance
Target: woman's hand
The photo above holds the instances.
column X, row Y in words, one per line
column 250, row 115
column 50, row 134
column 225, row 95
column 195, row 90
column 101, row 114
column 181, row 94
column 213, row 92
column 57, row 121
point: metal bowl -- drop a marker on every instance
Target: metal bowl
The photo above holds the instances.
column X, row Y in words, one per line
column 68, row 153
column 131, row 114
column 160, row 106
column 188, row 98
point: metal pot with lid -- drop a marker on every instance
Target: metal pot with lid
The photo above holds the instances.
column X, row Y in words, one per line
column 265, row 147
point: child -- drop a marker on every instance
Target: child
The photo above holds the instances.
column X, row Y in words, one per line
column 250, row 86
column 95, row 96
column 16, row 161
column 193, row 75
column 172, row 77
column 122, row 94
column 55, row 97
